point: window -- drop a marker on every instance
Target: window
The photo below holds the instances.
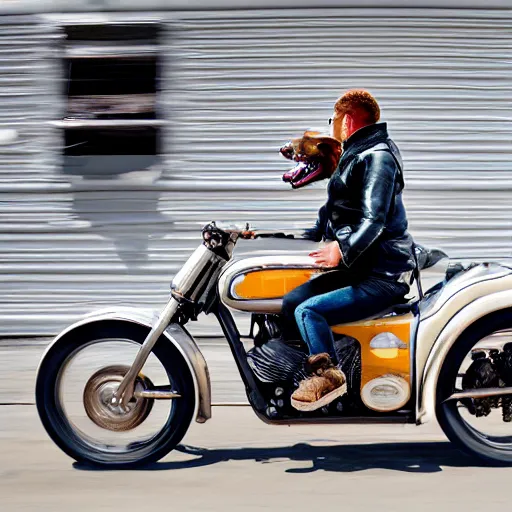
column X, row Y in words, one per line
column 111, row 124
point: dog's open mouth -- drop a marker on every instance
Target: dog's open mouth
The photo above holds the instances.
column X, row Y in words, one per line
column 303, row 173
column 315, row 156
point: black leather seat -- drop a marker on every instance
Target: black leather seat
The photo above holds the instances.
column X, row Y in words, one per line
column 428, row 257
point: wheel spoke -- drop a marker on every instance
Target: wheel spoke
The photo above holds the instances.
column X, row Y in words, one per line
column 157, row 394
column 90, row 412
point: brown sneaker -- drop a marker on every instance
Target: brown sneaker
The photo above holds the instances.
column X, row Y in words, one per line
column 320, row 390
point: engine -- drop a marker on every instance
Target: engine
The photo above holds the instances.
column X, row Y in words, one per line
column 489, row 369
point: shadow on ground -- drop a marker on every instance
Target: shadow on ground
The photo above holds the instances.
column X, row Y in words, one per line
column 407, row 457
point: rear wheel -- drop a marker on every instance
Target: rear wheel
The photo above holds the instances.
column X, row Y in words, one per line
column 486, row 437
column 75, row 383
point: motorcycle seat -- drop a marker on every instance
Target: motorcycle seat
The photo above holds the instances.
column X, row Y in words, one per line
column 396, row 310
column 427, row 258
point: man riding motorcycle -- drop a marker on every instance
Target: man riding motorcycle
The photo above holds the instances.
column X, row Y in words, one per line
column 368, row 247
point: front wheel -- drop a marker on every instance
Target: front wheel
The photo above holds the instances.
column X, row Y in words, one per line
column 76, row 380
column 480, row 427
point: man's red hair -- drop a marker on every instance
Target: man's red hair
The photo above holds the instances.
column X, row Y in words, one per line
column 360, row 104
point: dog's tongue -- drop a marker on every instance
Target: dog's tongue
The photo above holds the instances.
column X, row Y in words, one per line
column 293, row 173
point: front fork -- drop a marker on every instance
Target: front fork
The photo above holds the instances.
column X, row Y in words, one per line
column 124, row 392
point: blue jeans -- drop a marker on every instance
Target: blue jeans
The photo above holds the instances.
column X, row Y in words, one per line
column 335, row 298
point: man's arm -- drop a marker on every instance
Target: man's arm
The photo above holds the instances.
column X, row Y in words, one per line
column 379, row 171
column 317, row 232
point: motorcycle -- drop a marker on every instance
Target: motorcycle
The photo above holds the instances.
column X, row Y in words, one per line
column 447, row 353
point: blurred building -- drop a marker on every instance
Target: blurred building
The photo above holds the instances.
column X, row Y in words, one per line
column 138, row 122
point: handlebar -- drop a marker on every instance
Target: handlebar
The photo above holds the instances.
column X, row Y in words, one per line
column 215, row 236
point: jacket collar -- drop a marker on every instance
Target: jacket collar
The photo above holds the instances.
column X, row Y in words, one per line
column 365, row 138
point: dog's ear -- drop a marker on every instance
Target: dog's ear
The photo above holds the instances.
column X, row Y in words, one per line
column 331, row 149
column 311, row 134
column 330, row 141
column 330, row 144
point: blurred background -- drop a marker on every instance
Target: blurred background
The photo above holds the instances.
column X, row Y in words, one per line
column 128, row 125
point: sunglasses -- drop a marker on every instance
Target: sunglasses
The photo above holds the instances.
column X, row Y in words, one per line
column 331, row 119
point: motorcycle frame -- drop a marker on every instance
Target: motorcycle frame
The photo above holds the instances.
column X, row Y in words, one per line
column 443, row 317
column 256, row 399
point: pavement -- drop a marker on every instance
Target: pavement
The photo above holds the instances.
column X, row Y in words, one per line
column 235, row 462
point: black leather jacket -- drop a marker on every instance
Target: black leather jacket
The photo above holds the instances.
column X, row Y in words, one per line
column 364, row 211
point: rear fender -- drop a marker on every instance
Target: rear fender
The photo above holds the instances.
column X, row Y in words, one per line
column 175, row 334
column 448, row 337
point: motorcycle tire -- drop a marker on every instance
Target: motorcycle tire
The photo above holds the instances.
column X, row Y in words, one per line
column 59, row 427
column 460, row 433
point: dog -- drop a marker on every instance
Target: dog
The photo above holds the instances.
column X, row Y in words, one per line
column 317, row 157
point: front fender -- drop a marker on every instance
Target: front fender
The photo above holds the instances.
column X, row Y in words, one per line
column 477, row 309
column 175, row 334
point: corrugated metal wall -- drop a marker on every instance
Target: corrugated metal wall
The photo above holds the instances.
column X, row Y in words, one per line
column 234, row 87
column 29, row 175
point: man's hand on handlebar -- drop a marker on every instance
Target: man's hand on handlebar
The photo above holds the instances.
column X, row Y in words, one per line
column 247, row 234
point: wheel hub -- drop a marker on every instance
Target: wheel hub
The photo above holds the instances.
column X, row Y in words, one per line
column 98, row 394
